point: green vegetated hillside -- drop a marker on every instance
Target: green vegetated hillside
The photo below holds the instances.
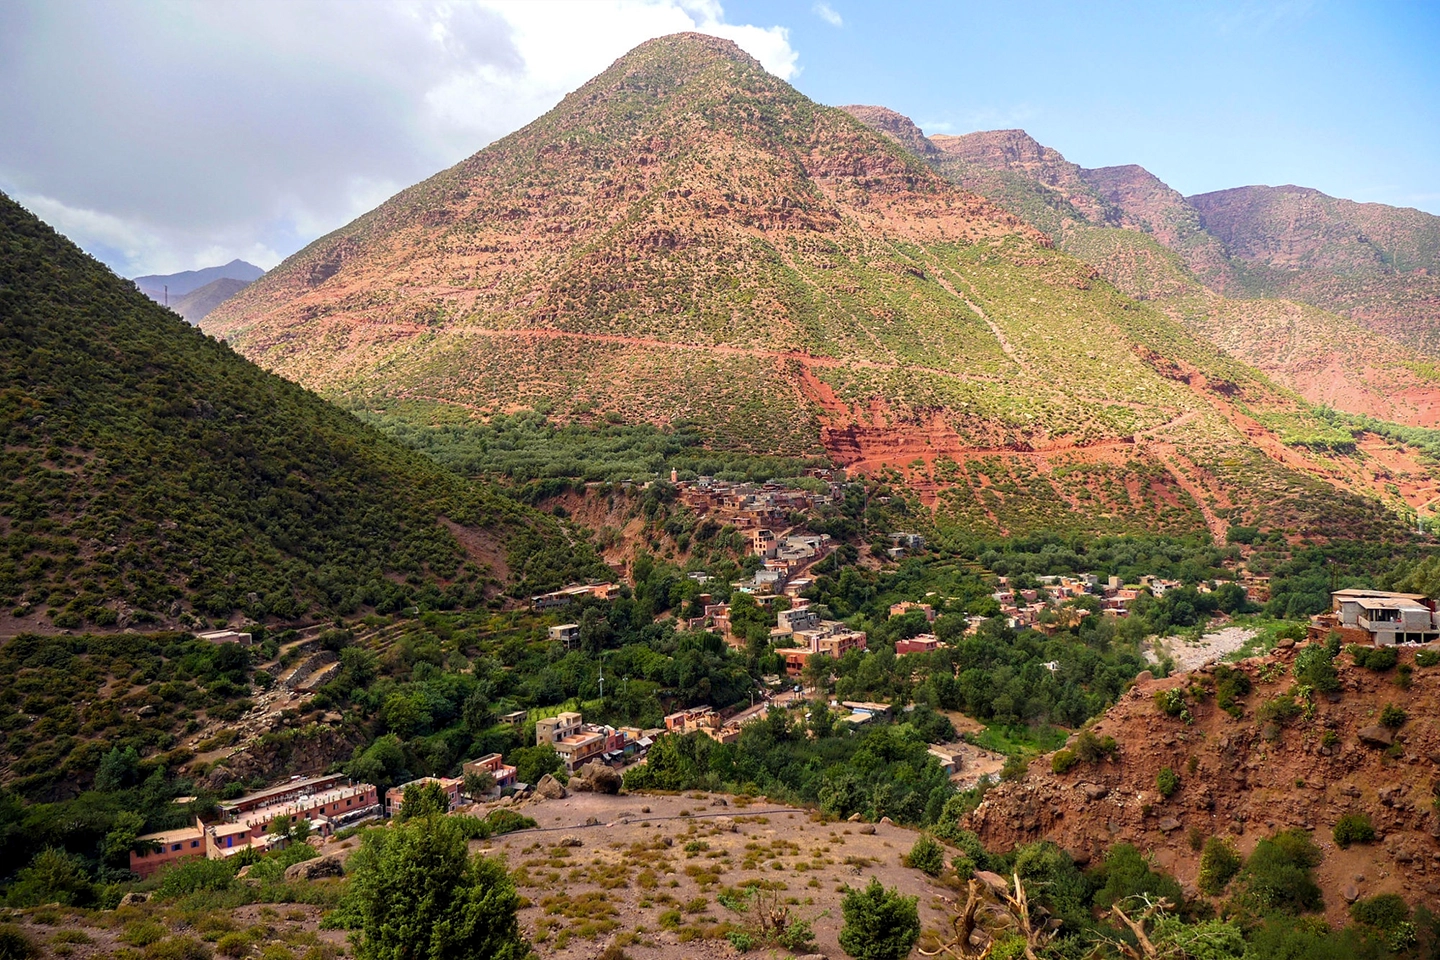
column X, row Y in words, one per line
column 151, row 475
column 1222, row 263
column 687, row 240
column 1378, row 264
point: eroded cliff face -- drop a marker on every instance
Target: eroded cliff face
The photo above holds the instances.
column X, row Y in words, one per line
column 1245, row 778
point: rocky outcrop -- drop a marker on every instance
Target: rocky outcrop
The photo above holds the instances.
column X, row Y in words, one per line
column 319, row 868
column 896, row 126
column 1244, row 779
column 596, row 777
column 550, row 789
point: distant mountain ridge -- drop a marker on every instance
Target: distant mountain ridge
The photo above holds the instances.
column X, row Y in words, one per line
column 187, row 281
column 688, row 239
column 1337, row 300
column 197, row 304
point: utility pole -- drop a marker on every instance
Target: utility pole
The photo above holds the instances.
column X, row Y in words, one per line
column 167, row 293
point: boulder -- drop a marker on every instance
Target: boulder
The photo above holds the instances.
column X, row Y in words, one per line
column 317, row 869
column 1376, row 735
column 856, row 818
column 133, row 899
column 1169, row 825
column 570, row 840
column 600, row 778
column 865, row 829
column 993, row 880
column 886, row 821
column 725, row 824
column 1350, row 893
column 1094, row 791
column 580, row 784
column 550, row 789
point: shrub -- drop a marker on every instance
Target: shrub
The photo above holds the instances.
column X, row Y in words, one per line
column 1127, row 873
column 1170, row 702
column 1231, row 686
column 1315, row 666
column 15, row 944
column 1279, row 709
column 926, row 855
column 1279, row 874
column 142, row 933
column 190, row 876
column 1384, row 912
column 1373, row 658
column 178, row 948
column 233, row 944
column 1218, row 866
column 1427, row 658
column 1015, row 767
column 1393, row 717
column 1353, row 828
column 880, row 924
column 1167, row 782
column 1063, row 761
column 1089, row 748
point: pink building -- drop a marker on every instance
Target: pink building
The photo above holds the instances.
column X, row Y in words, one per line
column 924, row 643
column 395, row 796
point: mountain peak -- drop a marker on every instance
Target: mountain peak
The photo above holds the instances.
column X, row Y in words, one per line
column 896, row 126
column 990, row 146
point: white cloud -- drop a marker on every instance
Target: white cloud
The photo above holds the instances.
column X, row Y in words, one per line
column 827, row 13
column 162, row 136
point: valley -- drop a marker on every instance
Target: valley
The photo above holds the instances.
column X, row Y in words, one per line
column 709, row 523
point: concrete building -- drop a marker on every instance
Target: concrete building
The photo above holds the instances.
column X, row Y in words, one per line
column 1378, row 617
column 566, row 634
column 924, row 643
column 552, row 730
column 395, row 796
column 493, row 764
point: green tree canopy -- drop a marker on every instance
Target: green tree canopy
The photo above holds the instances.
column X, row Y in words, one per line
column 417, row 894
column 880, row 924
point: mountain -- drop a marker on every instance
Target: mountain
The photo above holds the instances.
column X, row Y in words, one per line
column 153, row 476
column 1377, row 264
column 1156, row 245
column 154, row 285
column 199, row 303
column 688, row 239
column 1247, row 767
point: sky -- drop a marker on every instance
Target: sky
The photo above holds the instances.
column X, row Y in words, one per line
column 166, row 136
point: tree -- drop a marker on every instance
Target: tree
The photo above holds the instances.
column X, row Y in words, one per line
column 479, row 783
column 416, row 893
column 424, row 800
column 118, row 769
column 532, row 763
column 54, row 876
column 926, row 855
column 116, row 847
column 880, row 924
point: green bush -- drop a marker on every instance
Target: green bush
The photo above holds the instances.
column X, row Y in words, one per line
column 880, row 924
column 1315, row 666
column 1218, row 866
column 926, row 855
column 189, row 876
column 178, row 948
column 142, row 933
column 1091, row 749
column 1279, row 876
column 1280, row 709
column 15, row 944
column 1170, row 702
column 1127, row 873
column 1427, row 658
column 1353, row 828
column 1393, row 717
column 233, row 944
column 1373, row 658
column 1383, row 912
column 1063, row 761
column 1231, row 687
column 1167, row 782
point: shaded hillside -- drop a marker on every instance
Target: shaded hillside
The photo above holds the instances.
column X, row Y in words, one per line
column 1153, row 244
column 154, row 285
column 687, row 238
column 198, row 304
column 151, row 474
column 1378, row 264
column 1278, row 758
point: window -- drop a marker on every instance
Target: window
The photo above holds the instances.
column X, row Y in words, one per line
column 194, row 844
column 348, row 802
column 175, row 846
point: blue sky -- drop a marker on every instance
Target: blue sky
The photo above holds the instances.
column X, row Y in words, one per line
column 166, row 135
column 1343, row 97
